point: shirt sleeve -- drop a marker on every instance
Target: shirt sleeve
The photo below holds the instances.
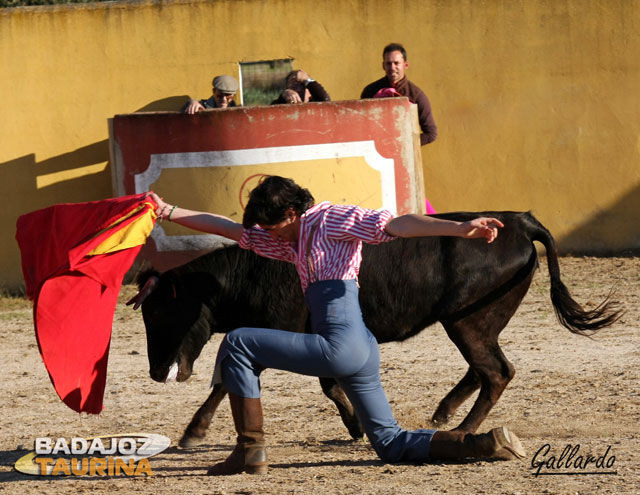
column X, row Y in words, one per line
column 344, row 223
column 318, row 93
column 427, row 122
column 259, row 241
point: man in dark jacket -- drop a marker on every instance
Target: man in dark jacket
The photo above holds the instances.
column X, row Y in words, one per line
column 300, row 88
column 394, row 63
column 224, row 90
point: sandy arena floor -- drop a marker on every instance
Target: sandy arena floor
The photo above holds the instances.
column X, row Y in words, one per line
column 568, row 390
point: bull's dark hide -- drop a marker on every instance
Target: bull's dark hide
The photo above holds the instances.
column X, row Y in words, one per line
column 473, row 288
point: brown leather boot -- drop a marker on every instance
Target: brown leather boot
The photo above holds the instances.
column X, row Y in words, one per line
column 249, row 455
column 499, row 444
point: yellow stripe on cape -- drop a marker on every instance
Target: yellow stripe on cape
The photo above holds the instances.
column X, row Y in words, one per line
column 132, row 235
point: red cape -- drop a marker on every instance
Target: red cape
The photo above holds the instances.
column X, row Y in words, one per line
column 73, row 269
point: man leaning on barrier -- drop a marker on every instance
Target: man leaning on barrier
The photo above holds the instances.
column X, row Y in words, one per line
column 300, row 88
column 224, row 91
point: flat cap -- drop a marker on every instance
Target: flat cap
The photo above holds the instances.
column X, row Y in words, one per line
column 226, row 84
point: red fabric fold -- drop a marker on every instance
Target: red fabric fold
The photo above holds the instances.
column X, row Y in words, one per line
column 75, row 293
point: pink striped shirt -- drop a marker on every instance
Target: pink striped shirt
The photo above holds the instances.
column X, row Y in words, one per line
column 336, row 247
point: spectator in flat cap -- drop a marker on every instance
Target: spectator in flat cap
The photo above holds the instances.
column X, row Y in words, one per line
column 300, row 88
column 224, row 90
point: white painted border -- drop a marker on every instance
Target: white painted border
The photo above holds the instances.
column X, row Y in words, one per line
column 239, row 158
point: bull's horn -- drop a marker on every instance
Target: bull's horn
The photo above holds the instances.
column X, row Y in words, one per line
column 147, row 289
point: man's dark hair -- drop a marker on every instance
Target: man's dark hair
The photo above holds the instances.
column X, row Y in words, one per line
column 290, row 74
column 270, row 200
column 395, row 47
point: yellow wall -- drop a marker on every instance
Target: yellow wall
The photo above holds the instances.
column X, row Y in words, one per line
column 536, row 101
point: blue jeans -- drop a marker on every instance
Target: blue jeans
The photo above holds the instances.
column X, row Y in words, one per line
column 341, row 347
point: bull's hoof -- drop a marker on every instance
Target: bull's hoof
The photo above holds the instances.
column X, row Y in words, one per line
column 440, row 419
column 355, row 430
column 190, row 442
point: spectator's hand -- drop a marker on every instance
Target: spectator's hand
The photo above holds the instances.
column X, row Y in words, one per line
column 194, row 106
column 291, row 96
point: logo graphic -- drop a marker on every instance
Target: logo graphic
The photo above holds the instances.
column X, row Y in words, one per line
column 109, row 455
column 572, row 462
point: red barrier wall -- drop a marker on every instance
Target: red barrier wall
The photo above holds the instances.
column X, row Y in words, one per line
column 363, row 152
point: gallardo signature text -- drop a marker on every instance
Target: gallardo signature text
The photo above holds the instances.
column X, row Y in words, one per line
column 571, row 462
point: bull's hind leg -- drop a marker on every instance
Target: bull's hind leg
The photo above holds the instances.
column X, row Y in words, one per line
column 461, row 392
column 494, row 372
column 197, row 429
column 475, row 332
column 333, row 390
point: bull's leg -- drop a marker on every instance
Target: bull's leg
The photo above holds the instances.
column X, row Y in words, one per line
column 476, row 336
column 495, row 373
column 334, row 391
column 461, row 392
column 197, row 429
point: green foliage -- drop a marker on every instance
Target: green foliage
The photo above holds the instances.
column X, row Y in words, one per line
column 263, row 81
column 27, row 3
column 256, row 96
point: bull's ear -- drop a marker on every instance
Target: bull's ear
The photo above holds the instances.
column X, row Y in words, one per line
column 148, row 288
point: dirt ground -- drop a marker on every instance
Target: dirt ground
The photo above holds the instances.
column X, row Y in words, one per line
column 568, row 390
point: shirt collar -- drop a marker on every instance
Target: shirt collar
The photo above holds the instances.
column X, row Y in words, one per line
column 402, row 82
column 315, row 208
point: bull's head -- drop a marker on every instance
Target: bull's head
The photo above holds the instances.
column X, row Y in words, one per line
column 177, row 324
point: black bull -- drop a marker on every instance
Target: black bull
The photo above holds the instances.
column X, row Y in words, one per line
column 471, row 287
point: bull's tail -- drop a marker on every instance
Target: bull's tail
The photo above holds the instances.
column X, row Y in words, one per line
column 569, row 312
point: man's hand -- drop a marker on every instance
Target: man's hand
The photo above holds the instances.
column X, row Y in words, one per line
column 161, row 204
column 291, row 96
column 194, row 106
column 482, row 227
column 302, row 76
